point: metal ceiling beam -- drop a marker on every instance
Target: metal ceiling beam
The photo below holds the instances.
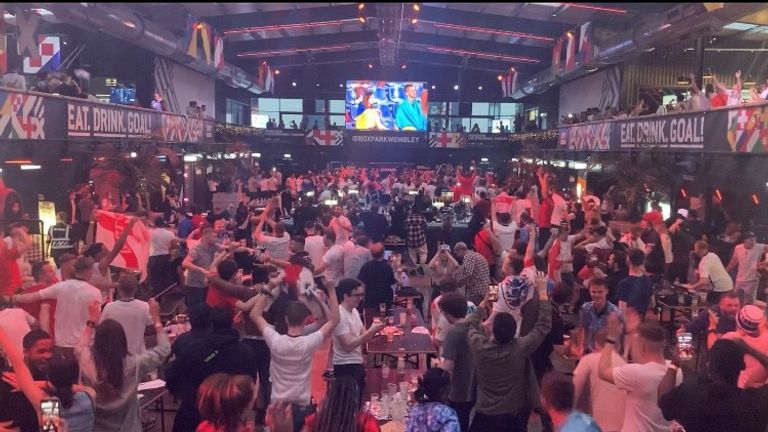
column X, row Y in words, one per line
column 298, row 42
column 475, row 19
column 349, row 56
column 291, row 16
column 412, row 55
column 458, row 43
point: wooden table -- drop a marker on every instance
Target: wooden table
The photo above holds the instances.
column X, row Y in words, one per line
column 375, row 383
column 405, row 345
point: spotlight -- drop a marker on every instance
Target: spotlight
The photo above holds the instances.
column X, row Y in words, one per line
column 199, row 26
column 479, row 87
column 362, row 20
column 277, row 71
column 499, row 77
column 361, row 6
column 433, row 87
column 403, row 66
column 133, row 155
column 456, row 87
column 370, row 66
column 414, row 21
column 341, row 85
column 416, row 7
column 293, row 84
column 317, row 85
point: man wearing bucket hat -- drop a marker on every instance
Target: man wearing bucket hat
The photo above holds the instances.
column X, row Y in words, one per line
column 750, row 323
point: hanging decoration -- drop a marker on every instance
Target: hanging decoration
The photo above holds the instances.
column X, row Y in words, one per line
column 27, row 22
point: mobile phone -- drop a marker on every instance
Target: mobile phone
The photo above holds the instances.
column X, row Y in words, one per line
column 51, row 412
column 685, row 346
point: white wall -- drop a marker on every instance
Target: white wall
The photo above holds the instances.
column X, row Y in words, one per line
column 178, row 85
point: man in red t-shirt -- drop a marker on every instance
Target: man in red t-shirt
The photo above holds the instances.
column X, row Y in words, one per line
column 44, row 311
column 12, row 248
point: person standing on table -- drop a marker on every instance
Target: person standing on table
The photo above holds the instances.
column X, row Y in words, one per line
column 746, row 257
column 712, row 275
column 293, row 352
column 350, row 335
column 506, row 390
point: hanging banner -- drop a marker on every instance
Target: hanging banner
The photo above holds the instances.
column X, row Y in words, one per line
column 741, row 129
column 323, row 137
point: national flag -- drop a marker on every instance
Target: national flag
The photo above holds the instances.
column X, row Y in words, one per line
column 48, row 58
column 135, row 253
column 264, row 79
column 509, row 83
column 586, row 44
column 556, row 53
column 194, row 29
column 325, row 137
column 570, row 51
column 447, row 140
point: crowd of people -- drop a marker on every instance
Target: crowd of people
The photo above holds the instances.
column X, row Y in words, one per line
column 713, row 95
column 269, row 281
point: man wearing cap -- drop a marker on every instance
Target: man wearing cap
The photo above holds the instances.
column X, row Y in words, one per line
column 745, row 257
column 749, row 325
column 73, row 296
column 161, row 242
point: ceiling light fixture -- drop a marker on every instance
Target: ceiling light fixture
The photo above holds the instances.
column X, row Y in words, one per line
column 277, row 71
column 26, row 167
column 433, row 87
column 361, row 6
column 370, row 66
column 293, row 83
column 416, row 7
column 362, row 20
column 455, row 86
column 286, row 27
column 289, row 51
column 414, row 21
column 479, row 87
column 403, row 66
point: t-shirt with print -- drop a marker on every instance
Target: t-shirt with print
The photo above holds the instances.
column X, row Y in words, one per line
column 456, row 349
column 514, row 292
column 641, row 382
column 349, row 323
column 291, row 364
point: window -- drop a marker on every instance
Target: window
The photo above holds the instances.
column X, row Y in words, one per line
column 336, row 119
column 510, row 109
column 336, row 107
column 320, row 106
column 481, row 122
column 453, row 109
column 438, row 109
column 237, row 112
column 480, row 108
column 291, row 105
column 288, row 118
column 265, row 104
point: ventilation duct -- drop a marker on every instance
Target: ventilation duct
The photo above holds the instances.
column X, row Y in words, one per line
column 689, row 20
column 123, row 23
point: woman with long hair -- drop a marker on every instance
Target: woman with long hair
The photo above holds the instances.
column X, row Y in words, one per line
column 222, row 400
column 115, row 375
column 431, row 414
column 341, row 410
column 76, row 407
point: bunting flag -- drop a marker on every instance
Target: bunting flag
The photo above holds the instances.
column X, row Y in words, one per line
column 586, row 43
column 3, row 53
column 556, row 53
column 218, row 51
column 509, row 83
column 264, row 79
column 135, row 253
column 27, row 22
column 195, row 31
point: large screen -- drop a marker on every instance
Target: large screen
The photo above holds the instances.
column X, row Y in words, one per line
column 387, row 105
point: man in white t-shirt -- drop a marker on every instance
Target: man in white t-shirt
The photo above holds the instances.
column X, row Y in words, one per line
column 313, row 243
column 712, row 275
column 356, row 254
column 332, row 264
column 277, row 245
column 350, row 335
column 745, row 257
column 131, row 313
column 605, row 402
column 640, row 380
column 341, row 226
column 16, row 323
column 72, row 299
column 293, row 352
column 161, row 242
column 440, row 324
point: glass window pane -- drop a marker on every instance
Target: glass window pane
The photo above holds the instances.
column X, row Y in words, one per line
column 480, row 108
column 508, row 109
column 494, row 110
column 336, row 107
column 336, row 120
column 454, row 109
column 438, row 109
column 481, row 122
column 291, row 105
column 267, row 104
column 467, row 123
column 288, row 118
column 320, row 106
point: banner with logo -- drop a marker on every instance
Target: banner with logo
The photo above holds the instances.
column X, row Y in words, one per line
column 742, row 129
column 416, row 139
column 135, row 254
column 323, row 137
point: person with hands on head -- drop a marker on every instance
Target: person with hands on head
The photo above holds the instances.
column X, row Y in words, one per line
column 641, row 379
column 505, row 376
column 106, row 365
column 278, row 244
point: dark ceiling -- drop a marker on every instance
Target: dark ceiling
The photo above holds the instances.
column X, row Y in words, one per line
column 480, row 36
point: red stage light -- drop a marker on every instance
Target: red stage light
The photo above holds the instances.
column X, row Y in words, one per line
column 755, row 199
